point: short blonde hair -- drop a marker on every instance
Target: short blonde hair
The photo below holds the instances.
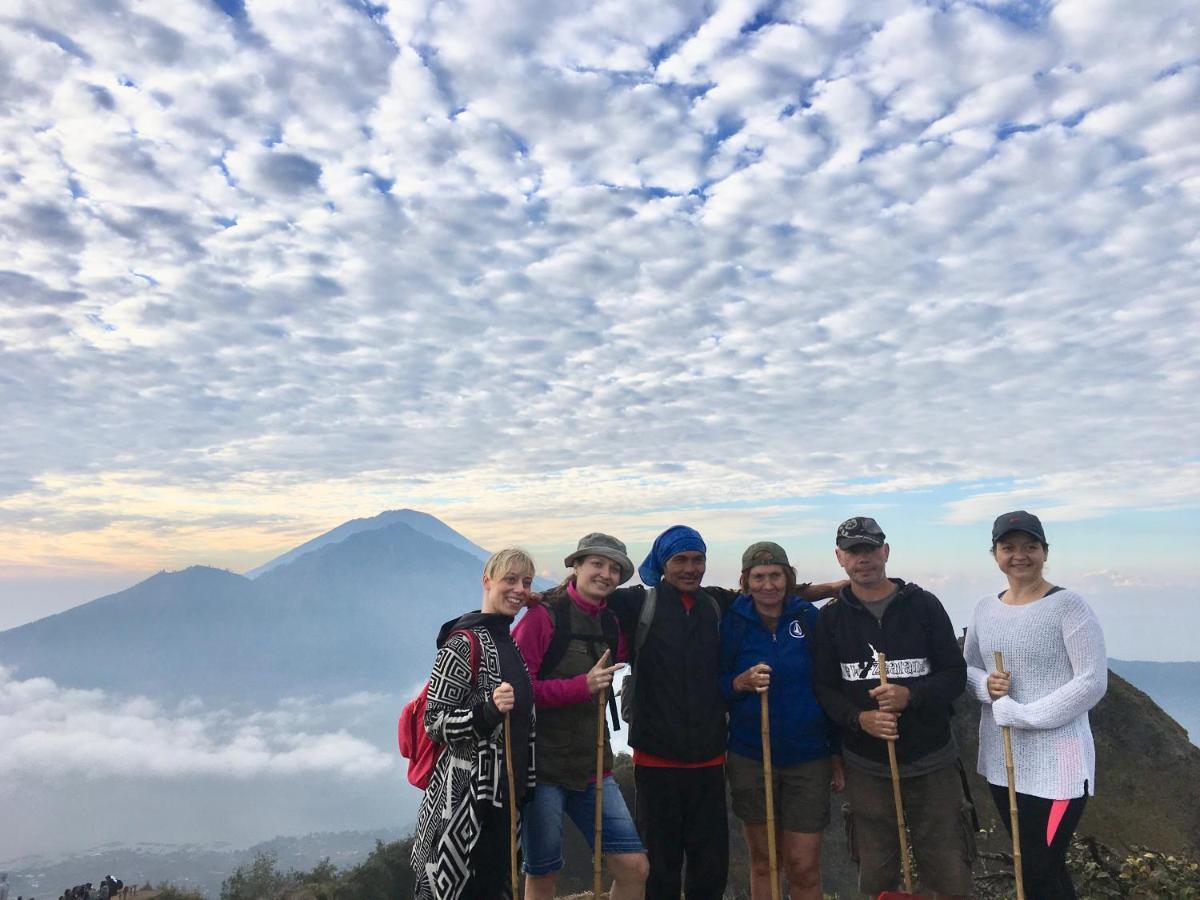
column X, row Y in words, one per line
column 510, row 559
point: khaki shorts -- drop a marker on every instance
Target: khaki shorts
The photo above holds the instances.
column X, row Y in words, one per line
column 801, row 793
column 941, row 834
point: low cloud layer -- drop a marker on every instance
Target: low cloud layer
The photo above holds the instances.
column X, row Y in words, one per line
column 48, row 731
column 300, row 259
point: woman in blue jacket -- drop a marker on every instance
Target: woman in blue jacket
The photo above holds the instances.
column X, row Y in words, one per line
column 765, row 634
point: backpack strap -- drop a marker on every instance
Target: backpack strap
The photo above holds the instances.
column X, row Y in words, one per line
column 645, row 618
column 612, row 636
column 563, row 635
column 560, row 639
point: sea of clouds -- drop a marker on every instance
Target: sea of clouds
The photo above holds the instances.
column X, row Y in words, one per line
column 48, row 731
column 85, row 767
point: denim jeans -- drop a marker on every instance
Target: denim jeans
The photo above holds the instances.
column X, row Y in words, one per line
column 542, row 832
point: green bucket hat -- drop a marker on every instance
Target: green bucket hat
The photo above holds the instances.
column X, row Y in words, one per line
column 600, row 544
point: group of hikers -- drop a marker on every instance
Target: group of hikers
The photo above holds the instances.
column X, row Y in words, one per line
column 856, row 695
column 109, row 888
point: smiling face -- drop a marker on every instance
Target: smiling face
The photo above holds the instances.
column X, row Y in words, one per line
column 684, row 571
column 506, row 593
column 596, row 577
column 1020, row 556
column 865, row 564
column 768, row 586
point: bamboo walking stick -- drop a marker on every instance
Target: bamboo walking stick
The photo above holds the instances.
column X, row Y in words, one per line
column 597, row 828
column 901, row 827
column 512, row 804
column 768, row 787
column 1012, row 796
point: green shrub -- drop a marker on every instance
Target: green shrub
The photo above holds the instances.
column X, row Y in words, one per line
column 257, row 881
column 171, row 892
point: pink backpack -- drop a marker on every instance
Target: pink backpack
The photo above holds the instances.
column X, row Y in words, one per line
column 416, row 745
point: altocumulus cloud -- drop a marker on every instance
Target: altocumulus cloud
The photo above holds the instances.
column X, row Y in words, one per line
column 49, row 731
column 783, row 247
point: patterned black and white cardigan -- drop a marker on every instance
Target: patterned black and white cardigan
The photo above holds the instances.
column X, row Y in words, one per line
column 469, row 771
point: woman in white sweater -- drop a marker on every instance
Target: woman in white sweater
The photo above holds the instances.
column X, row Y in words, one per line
column 1056, row 670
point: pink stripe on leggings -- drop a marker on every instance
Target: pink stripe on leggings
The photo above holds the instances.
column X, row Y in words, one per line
column 1058, row 809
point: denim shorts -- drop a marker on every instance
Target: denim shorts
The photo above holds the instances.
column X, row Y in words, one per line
column 542, row 824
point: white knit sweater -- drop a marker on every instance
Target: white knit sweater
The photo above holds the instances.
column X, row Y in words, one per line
column 1054, row 649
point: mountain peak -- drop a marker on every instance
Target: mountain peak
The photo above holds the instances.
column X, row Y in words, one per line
column 423, row 522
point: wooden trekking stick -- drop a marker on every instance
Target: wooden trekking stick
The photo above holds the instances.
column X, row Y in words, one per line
column 512, row 804
column 1012, row 796
column 597, row 827
column 768, row 789
column 901, row 828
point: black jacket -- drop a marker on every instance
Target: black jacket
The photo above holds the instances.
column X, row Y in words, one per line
column 680, row 710
column 922, row 654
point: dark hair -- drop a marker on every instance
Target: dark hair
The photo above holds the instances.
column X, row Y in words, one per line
column 789, row 574
column 1045, row 546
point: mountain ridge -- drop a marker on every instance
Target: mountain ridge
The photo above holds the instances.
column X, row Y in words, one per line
column 332, row 621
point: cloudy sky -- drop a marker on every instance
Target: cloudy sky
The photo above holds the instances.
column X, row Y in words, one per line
column 544, row 267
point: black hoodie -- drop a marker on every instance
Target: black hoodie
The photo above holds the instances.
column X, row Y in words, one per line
column 922, row 654
column 512, row 669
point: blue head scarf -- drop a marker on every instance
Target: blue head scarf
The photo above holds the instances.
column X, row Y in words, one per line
column 676, row 539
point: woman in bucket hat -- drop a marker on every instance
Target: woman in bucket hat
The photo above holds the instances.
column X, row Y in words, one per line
column 1055, row 670
column 573, row 646
column 765, row 648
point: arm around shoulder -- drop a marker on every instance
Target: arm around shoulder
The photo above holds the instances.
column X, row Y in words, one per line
column 816, row 592
column 626, row 603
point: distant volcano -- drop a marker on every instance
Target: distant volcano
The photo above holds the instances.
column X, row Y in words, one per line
column 355, row 609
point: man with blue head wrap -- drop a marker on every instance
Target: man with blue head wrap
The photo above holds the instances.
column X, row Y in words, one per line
column 678, row 731
column 675, row 540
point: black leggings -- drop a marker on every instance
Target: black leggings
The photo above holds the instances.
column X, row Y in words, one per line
column 491, row 874
column 1043, row 863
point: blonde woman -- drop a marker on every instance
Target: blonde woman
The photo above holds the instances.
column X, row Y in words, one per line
column 461, row 850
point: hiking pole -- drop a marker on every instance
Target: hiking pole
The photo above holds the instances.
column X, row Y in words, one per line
column 597, row 826
column 1012, row 796
column 768, row 782
column 512, row 803
column 901, row 828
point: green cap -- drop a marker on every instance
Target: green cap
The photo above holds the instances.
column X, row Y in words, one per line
column 764, row 553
